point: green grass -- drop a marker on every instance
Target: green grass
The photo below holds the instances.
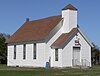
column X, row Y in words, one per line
column 12, row 71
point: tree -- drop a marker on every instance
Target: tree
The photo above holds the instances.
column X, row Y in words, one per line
column 95, row 54
column 3, row 48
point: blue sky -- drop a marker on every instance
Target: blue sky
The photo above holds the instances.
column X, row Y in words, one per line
column 14, row 12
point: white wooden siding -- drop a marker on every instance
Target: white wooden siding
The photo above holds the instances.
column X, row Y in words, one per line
column 29, row 61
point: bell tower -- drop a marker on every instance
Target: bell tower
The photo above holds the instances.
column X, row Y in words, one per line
column 69, row 15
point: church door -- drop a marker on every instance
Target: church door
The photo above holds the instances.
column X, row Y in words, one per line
column 76, row 56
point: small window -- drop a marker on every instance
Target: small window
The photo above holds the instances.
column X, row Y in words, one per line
column 14, row 51
column 56, row 54
column 34, row 51
column 24, row 51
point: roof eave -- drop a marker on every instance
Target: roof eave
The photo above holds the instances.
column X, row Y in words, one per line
column 26, row 42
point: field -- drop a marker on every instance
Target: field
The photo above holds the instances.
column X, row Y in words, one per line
column 12, row 71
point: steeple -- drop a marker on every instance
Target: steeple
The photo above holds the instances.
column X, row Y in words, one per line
column 70, row 7
column 69, row 15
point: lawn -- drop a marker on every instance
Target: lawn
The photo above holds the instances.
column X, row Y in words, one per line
column 12, row 71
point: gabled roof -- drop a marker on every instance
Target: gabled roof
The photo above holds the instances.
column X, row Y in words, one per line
column 65, row 38
column 35, row 30
column 69, row 6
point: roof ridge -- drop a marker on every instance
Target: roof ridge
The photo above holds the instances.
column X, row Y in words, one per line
column 46, row 17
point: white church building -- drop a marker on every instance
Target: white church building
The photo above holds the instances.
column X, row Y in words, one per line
column 56, row 40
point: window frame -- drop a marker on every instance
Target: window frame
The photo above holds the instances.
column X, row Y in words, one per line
column 24, row 51
column 14, row 52
column 56, row 54
column 34, row 51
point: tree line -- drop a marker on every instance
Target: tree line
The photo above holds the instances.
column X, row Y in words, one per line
column 3, row 48
column 95, row 54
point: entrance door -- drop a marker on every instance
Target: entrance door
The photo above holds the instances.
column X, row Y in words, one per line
column 76, row 56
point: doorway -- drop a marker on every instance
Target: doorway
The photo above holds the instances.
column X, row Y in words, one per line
column 76, row 56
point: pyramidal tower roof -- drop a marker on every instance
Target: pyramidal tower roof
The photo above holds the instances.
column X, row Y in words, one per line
column 69, row 6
